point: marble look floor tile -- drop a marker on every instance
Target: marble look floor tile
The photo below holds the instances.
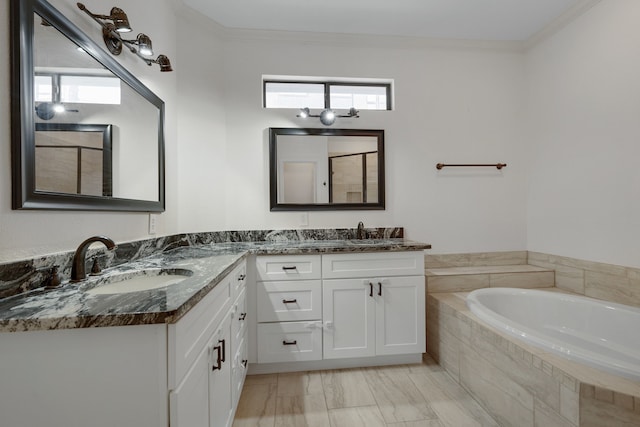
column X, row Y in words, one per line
column 397, row 396
column 300, row 383
column 261, row 379
column 453, row 406
column 257, row 406
column 346, row 388
column 308, row 410
column 359, row 416
column 421, row 423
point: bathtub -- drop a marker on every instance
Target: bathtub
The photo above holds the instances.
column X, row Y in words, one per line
column 597, row 333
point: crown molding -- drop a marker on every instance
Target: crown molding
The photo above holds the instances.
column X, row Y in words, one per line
column 366, row 40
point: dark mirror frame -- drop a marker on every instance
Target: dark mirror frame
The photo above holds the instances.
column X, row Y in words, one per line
column 273, row 170
column 24, row 194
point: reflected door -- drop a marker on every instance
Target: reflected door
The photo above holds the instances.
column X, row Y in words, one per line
column 299, row 185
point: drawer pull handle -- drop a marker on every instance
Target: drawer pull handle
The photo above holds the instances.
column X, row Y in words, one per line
column 244, row 362
column 379, row 288
column 370, row 289
column 289, row 301
column 218, row 364
column 286, row 268
column 223, row 348
column 294, row 342
column 242, row 316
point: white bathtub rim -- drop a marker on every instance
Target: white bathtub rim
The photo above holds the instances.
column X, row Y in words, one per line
column 529, row 336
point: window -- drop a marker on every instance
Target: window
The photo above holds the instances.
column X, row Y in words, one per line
column 338, row 95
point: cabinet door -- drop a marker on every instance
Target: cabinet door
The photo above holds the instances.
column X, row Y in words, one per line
column 220, row 409
column 400, row 315
column 348, row 308
column 189, row 402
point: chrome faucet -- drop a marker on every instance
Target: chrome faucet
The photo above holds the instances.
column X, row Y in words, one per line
column 79, row 258
column 360, row 232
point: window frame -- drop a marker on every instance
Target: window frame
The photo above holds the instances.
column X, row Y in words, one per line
column 327, row 89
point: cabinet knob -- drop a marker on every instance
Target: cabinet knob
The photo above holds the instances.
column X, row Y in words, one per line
column 244, row 362
column 242, row 277
column 242, row 316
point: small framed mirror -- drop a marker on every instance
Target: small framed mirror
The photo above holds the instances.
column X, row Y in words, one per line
column 86, row 133
column 326, row 169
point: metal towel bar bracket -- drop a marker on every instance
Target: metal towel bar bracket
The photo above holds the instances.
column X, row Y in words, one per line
column 495, row 165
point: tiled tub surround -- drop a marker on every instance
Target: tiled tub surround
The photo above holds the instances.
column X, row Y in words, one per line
column 521, row 385
column 466, row 272
column 68, row 306
column 24, row 275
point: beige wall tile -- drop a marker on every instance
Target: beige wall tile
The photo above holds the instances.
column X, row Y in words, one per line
column 544, row 416
column 612, row 288
column 474, row 259
column 598, row 413
column 504, row 399
column 542, row 279
column 570, row 405
column 460, row 283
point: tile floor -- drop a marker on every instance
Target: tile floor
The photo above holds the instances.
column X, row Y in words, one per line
column 421, row 395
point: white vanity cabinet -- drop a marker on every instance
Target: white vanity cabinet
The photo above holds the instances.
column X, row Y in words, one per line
column 204, row 349
column 145, row 375
column 339, row 306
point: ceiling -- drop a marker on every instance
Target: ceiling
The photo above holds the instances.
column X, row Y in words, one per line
column 489, row 20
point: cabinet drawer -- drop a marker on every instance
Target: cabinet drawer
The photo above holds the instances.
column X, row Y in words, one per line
column 287, row 267
column 285, row 301
column 337, row 266
column 289, row 342
column 238, row 322
column 238, row 279
column 188, row 336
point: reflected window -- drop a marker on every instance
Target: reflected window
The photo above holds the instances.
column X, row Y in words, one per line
column 90, row 89
column 79, row 89
column 43, row 88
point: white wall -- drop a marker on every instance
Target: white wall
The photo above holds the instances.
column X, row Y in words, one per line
column 451, row 105
column 584, row 125
column 27, row 233
column 202, row 157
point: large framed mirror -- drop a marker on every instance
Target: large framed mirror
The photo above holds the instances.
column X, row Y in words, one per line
column 86, row 133
column 326, row 169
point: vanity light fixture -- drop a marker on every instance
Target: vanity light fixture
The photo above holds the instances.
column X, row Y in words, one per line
column 118, row 17
column 141, row 46
column 48, row 110
column 327, row 116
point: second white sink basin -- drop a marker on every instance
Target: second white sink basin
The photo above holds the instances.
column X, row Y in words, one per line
column 143, row 282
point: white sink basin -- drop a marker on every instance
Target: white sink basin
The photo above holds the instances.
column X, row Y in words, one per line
column 145, row 281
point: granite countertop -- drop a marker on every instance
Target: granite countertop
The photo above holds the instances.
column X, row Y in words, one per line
column 70, row 306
